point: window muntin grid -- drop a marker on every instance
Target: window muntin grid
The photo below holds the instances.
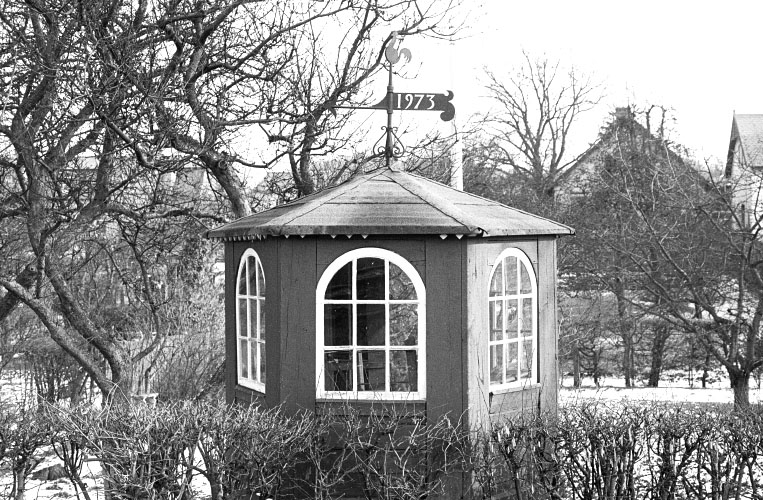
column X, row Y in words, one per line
column 250, row 322
column 370, row 306
column 512, row 322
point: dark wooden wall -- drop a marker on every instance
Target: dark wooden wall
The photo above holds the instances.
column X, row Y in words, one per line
column 455, row 273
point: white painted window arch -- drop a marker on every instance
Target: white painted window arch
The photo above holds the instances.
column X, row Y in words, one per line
column 250, row 322
column 371, row 328
column 512, row 321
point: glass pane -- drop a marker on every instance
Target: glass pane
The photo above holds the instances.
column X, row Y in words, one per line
column 243, row 356
column 524, row 286
column 370, row 279
column 400, row 285
column 527, row 359
column 527, row 317
column 496, row 319
column 251, row 268
column 253, row 367
column 263, row 365
column 337, row 326
column 262, row 319
column 338, row 371
column 496, row 283
column 511, row 362
column 512, row 318
column 404, row 371
column 496, row 364
column 242, row 280
column 371, row 324
column 242, row 330
column 253, row 317
column 403, row 324
column 260, row 281
column 510, row 287
column 371, row 370
column 340, row 286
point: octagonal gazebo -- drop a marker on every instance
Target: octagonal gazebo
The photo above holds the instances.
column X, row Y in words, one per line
column 393, row 289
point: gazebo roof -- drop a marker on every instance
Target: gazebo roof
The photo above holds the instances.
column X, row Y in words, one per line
column 389, row 202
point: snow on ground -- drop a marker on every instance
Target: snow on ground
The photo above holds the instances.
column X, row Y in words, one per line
column 59, row 488
column 676, row 389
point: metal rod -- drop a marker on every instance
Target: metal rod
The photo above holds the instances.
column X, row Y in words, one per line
column 388, row 146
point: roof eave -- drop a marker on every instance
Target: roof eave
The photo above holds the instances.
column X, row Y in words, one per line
column 248, row 234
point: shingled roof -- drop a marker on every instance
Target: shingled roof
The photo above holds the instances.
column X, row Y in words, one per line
column 748, row 129
column 390, row 202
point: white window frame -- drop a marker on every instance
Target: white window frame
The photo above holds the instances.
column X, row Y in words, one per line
column 522, row 260
column 320, row 301
column 254, row 379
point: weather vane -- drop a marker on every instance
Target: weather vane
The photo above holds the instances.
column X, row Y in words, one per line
column 403, row 101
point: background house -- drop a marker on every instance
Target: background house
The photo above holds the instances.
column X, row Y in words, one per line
column 744, row 167
column 623, row 135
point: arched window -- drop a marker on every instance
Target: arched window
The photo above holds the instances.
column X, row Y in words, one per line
column 370, row 312
column 513, row 318
column 250, row 322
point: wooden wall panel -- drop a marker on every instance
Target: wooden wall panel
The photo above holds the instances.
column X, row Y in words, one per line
column 510, row 405
column 411, row 249
column 245, row 396
column 548, row 324
column 444, row 327
column 268, row 252
column 481, row 256
column 476, row 374
column 230, row 322
column 297, row 264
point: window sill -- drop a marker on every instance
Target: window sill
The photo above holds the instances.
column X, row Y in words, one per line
column 516, row 388
column 365, row 407
column 252, row 386
column 380, row 400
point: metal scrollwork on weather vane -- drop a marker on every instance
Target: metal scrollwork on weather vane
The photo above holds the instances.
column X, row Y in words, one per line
column 402, row 101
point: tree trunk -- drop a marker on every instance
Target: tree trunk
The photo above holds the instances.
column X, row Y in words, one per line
column 628, row 358
column 595, row 363
column 625, row 331
column 705, row 373
column 19, row 484
column 740, row 383
column 576, row 382
column 661, row 335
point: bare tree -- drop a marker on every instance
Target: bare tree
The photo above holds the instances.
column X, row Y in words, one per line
column 618, row 175
column 671, row 244
column 537, row 107
column 710, row 282
column 109, row 107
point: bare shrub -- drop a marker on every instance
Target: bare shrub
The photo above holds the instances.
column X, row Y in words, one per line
column 146, row 452
column 250, row 453
column 23, row 434
column 600, row 447
column 401, row 455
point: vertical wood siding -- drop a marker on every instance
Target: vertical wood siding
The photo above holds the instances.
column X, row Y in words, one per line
column 444, row 328
column 297, row 280
column 484, row 406
column 230, row 323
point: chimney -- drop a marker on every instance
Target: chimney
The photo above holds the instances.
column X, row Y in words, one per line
column 623, row 113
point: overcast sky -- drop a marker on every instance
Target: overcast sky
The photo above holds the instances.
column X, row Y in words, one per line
column 700, row 58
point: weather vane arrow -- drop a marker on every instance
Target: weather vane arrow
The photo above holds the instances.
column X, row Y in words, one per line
column 402, row 101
